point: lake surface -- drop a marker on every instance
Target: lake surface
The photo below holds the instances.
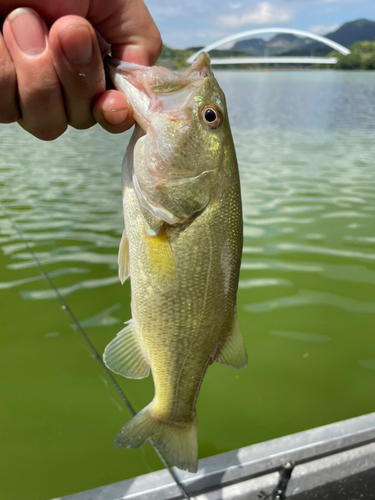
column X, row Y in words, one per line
column 306, row 303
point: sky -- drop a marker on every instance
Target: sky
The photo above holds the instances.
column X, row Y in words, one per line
column 191, row 23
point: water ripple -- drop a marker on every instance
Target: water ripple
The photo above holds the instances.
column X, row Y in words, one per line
column 368, row 363
column 308, row 298
column 101, row 319
column 65, row 291
column 291, row 247
column 316, row 338
column 263, row 282
column 64, row 271
column 345, row 215
column 46, row 258
column 253, row 265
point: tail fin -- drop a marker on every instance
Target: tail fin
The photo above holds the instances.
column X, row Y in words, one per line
column 179, row 444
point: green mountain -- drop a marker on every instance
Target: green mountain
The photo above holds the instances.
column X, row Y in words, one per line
column 347, row 34
column 276, row 45
column 253, row 46
column 355, row 31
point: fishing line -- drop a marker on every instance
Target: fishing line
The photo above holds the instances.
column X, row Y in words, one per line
column 95, row 353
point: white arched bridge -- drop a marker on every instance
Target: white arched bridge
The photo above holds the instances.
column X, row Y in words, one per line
column 275, row 59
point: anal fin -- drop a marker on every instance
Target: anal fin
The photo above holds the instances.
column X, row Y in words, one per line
column 123, row 259
column 234, row 352
column 124, row 355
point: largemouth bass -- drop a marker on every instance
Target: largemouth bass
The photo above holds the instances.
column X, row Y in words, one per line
column 181, row 247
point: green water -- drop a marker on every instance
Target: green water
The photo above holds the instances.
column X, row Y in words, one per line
column 306, row 301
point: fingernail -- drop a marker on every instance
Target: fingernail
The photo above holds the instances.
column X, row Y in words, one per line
column 115, row 116
column 28, row 31
column 76, row 44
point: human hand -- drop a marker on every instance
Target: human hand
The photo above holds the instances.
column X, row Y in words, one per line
column 51, row 62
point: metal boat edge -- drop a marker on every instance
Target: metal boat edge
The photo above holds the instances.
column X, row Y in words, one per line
column 339, row 455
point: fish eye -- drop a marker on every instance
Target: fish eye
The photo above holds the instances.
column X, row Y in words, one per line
column 211, row 116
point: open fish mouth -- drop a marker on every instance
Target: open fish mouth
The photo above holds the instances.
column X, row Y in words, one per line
column 157, row 89
column 159, row 79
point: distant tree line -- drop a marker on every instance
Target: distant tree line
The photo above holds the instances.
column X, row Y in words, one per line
column 362, row 56
column 174, row 59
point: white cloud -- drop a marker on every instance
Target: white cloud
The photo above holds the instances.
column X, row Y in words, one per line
column 264, row 13
column 323, row 29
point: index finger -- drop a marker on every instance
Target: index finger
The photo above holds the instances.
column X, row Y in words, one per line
column 129, row 28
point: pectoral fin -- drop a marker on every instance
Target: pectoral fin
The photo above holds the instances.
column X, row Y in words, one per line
column 234, row 352
column 123, row 259
column 124, row 355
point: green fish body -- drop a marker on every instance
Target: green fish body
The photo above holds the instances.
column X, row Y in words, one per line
column 181, row 247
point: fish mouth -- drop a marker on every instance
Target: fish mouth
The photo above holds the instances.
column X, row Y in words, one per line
column 156, row 89
column 122, row 76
